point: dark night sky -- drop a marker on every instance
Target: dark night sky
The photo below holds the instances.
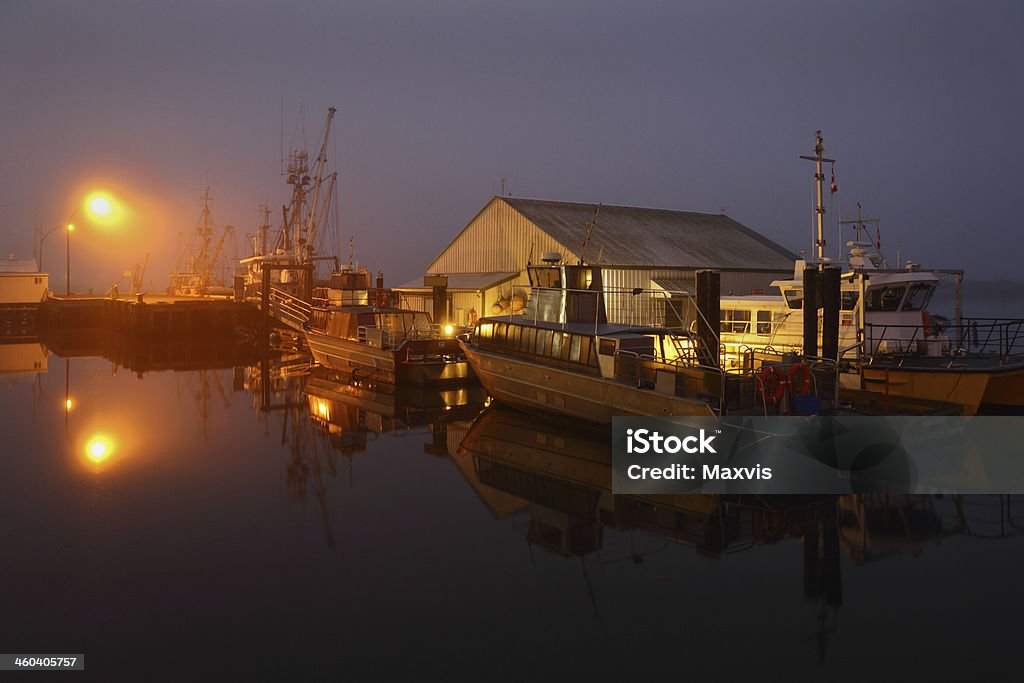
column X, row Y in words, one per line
column 682, row 105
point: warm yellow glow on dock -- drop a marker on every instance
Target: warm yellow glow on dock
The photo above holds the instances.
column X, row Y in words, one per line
column 448, row 330
column 99, row 448
column 68, row 405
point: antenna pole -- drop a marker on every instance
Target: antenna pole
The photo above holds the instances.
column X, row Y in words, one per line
column 819, row 180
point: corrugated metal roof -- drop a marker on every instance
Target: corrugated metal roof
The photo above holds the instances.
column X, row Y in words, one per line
column 463, row 281
column 676, row 286
column 18, row 265
column 629, row 236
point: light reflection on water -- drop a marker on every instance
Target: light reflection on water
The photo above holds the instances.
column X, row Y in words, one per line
column 281, row 521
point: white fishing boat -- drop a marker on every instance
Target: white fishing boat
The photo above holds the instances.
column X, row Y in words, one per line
column 889, row 341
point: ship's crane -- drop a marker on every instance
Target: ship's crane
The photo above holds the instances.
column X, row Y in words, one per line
column 313, row 223
column 138, row 275
column 217, row 249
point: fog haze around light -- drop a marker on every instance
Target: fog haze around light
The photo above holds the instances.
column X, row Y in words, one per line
column 698, row 106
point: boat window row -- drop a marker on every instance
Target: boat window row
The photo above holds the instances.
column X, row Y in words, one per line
column 537, row 342
column 847, row 302
column 737, row 321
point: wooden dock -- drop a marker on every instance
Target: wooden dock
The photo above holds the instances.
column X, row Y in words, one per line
column 151, row 315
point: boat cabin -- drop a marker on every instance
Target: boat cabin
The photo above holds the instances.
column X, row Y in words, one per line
column 380, row 327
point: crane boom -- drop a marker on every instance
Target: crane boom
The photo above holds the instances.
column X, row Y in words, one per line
column 312, row 225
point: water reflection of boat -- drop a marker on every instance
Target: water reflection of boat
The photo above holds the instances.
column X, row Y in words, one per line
column 350, row 411
column 560, row 474
column 563, row 472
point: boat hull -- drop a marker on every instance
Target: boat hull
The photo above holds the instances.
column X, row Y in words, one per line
column 971, row 387
column 363, row 361
column 545, row 389
column 1005, row 389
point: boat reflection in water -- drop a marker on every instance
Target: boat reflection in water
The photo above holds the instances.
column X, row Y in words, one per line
column 324, row 416
column 562, row 473
column 351, row 412
column 559, row 474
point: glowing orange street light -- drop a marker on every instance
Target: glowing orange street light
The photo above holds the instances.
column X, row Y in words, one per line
column 99, row 448
column 99, row 206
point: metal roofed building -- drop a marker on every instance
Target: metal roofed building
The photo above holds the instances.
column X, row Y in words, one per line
column 636, row 248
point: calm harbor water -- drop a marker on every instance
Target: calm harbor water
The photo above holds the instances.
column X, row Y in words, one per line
column 254, row 518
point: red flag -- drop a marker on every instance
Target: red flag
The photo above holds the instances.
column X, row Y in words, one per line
column 835, row 188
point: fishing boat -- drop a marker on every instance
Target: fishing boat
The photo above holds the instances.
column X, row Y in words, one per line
column 889, row 341
column 287, row 261
column 560, row 355
column 204, row 267
column 385, row 344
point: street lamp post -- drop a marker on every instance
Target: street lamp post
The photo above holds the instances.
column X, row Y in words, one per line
column 70, row 228
column 42, row 241
column 99, row 207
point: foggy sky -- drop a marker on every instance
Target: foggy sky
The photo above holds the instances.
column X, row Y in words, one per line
column 698, row 106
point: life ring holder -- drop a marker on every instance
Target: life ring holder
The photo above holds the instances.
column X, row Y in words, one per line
column 773, row 395
column 799, row 370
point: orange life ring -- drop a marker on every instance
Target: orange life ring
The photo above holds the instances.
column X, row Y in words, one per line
column 771, row 394
column 805, row 384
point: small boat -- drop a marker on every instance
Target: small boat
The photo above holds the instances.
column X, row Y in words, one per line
column 385, row 344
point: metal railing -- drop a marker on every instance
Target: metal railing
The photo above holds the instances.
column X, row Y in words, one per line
column 999, row 337
column 289, row 309
column 393, row 338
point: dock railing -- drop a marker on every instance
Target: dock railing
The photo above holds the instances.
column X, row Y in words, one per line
column 289, row 309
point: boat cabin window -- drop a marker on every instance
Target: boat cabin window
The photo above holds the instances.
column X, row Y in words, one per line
column 918, row 297
column 607, row 347
column 542, row 276
column 794, row 298
column 736, row 321
column 556, row 347
column 849, row 300
column 764, row 323
column 885, row 299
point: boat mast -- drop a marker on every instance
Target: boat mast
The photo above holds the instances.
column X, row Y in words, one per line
column 819, row 179
column 307, row 242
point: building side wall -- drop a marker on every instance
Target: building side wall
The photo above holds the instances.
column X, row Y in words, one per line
column 29, row 357
column 499, row 239
column 22, row 288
